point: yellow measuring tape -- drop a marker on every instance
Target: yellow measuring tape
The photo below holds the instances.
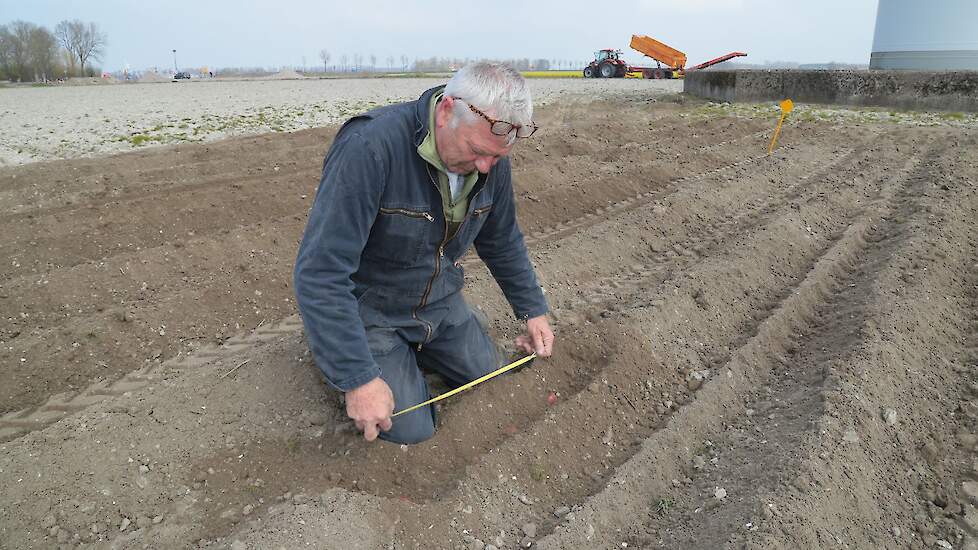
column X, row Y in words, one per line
column 475, row 382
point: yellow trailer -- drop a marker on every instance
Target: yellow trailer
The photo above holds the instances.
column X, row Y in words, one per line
column 667, row 55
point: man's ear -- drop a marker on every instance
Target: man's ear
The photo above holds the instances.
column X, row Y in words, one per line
column 443, row 111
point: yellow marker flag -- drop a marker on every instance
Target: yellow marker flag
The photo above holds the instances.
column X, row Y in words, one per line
column 786, row 107
column 475, row 382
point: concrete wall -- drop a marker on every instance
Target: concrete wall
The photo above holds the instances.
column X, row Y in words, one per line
column 927, row 91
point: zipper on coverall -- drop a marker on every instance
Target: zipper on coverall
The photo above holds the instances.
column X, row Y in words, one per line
column 438, row 257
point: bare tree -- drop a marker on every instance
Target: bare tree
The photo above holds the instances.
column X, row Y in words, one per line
column 83, row 40
column 324, row 55
column 19, row 37
column 404, row 62
column 357, row 61
column 27, row 52
column 373, row 62
column 42, row 50
column 6, row 44
column 343, row 60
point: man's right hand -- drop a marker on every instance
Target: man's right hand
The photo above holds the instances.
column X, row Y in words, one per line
column 370, row 406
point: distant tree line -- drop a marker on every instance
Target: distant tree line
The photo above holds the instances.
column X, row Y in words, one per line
column 32, row 53
column 355, row 63
column 438, row 64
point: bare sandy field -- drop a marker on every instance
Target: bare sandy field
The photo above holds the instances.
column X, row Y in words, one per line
column 754, row 351
column 80, row 121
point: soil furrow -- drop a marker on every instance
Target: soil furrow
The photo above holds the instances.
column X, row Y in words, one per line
column 781, row 415
column 672, row 450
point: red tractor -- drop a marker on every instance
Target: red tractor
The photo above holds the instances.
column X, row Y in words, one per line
column 606, row 64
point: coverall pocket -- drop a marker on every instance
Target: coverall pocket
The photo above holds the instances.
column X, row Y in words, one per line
column 381, row 341
column 399, row 235
column 473, row 225
column 369, row 303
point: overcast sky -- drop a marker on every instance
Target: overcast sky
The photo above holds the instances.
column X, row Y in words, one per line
column 251, row 33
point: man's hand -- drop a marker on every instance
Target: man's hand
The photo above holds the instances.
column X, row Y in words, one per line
column 539, row 337
column 370, row 406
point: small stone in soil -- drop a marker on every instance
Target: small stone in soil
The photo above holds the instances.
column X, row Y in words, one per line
column 967, row 440
column 530, row 529
column 930, row 452
column 524, row 499
column 801, row 483
column 970, row 488
column 562, row 511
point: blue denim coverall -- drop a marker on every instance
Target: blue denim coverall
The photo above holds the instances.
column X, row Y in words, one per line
column 376, row 278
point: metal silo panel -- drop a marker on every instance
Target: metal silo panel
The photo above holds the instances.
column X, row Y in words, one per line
column 935, row 35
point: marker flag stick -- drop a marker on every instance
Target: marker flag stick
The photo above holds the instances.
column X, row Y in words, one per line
column 786, row 107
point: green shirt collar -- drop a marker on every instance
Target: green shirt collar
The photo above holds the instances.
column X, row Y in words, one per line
column 428, row 150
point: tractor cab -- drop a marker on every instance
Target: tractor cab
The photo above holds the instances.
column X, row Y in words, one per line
column 601, row 55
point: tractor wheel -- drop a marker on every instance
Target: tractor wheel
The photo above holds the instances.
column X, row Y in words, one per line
column 607, row 70
column 588, row 72
column 620, row 72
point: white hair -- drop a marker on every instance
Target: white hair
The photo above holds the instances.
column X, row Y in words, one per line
column 498, row 90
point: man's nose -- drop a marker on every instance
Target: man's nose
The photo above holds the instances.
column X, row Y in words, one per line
column 483, row 164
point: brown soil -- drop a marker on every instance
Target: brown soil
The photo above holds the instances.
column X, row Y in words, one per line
column 753, row 351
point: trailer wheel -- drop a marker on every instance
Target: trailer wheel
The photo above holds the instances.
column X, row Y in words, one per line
column 588, row 72
column 607, row 70
column 658, row 74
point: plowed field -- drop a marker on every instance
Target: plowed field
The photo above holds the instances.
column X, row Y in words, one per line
column 753, row 351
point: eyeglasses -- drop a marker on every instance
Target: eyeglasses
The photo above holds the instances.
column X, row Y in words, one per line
column 502, row 127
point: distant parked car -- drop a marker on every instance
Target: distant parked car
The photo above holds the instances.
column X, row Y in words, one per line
column 181, row 76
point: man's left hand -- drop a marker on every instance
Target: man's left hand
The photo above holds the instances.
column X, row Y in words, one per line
column 539, row 337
